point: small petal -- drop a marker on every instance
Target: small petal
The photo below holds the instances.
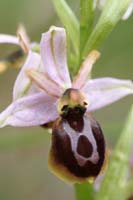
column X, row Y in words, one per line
column 103, row 91
column 32, row 110
column 43, row 82
column 8, row 39
column 85, row 69
column 53, row 53
column 23, row 38
column 23, row 84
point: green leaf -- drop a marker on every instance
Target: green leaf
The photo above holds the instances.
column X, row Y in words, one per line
column 84, row 191
column 115, row 181
column 86, row 21
column 69, row 20
column 111, row 14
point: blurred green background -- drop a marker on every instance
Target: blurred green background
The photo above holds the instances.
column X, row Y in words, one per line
column 24, row 173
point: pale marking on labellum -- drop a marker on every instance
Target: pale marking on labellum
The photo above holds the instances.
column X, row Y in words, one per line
column 74, row 136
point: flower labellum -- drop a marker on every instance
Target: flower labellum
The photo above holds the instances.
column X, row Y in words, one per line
column 44, row 93
column 78, row 147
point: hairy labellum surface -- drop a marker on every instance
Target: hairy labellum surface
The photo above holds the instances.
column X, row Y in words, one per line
column 78, row 147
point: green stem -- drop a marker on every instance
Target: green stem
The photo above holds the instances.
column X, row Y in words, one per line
column 84, row 191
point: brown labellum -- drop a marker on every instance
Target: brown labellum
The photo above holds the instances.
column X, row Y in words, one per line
column 78, row 147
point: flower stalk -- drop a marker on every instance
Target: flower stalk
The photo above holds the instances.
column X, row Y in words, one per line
column 84, row 191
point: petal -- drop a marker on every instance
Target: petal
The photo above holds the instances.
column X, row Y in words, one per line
column 32, row 110
column 103, row 91
column 8, row 39
column 23, row 85
column 23, row 38
column 53, row 53
column 43, row 82
column 85, row 69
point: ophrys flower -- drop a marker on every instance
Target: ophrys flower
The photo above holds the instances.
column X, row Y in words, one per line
column 44, row 92
column 17, row 58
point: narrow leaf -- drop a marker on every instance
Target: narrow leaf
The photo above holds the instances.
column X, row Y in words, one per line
column 111, row 14
column 115, row 181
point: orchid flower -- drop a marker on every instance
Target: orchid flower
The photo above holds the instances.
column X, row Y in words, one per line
column 43, row 92
column 16, row 59
column 21, row 39
column 100, row 4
